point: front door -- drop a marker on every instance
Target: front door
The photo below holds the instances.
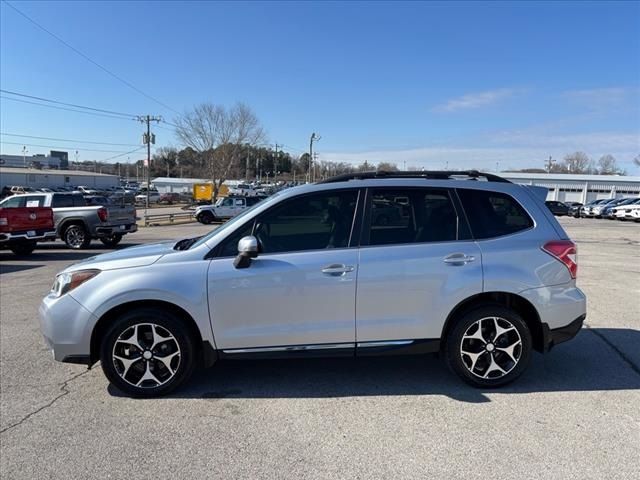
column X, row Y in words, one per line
column 301, row 290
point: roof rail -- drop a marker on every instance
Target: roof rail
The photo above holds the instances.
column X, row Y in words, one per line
column 427, row 174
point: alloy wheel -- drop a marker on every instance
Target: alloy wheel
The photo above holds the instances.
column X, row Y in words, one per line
column 491, row 347
column 146, row 355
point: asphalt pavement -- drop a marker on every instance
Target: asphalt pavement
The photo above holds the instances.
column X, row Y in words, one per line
column 575, row 414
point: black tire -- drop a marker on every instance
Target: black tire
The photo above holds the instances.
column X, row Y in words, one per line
column 460, row 363
column 76, row 237
column 169, row 323
column 25, row 248
column 206, row 218
column 111, row 240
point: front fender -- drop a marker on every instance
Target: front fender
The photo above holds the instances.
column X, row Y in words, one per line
column 183, row 285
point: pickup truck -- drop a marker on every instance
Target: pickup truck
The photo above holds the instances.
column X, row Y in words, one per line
column 224, row 208
column 22, row 228
column 75, row 222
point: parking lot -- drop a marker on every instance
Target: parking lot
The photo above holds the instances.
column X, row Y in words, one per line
column 574, row 414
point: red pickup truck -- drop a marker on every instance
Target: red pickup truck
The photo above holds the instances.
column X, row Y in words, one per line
column 21, row 228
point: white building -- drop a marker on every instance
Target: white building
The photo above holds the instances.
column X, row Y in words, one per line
column 177, row 185
column 26, row 177
column 579, row 188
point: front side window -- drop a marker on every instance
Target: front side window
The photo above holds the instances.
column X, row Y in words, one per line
column 310, row 222
column 412, row 216
column 493, row 214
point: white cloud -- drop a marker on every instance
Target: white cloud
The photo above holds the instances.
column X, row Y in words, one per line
column 509, row 149
column 602, row 98
column 475, row 100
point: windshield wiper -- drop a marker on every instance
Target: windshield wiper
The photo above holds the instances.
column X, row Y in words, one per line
column 186, row 243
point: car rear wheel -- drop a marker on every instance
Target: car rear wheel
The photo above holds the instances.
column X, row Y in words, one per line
column 76, row 237
column 25, row 248
column 206, row 218
column 147, row 353
column 111, row 240
column 489, row 347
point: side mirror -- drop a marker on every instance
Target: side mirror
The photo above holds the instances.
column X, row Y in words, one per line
column 247, row 249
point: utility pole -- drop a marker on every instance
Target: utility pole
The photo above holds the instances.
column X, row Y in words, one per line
column 549, row 164
column 147, row 139
column 24, row 155
column 246, row 169
column 315, row 166
column 314, row 138
column 275, row 165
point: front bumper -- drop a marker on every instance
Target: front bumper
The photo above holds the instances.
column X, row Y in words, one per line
column 28, row 235
column 66, row 327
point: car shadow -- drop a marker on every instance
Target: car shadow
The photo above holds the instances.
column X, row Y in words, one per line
column 587, row 363
column 4, row 268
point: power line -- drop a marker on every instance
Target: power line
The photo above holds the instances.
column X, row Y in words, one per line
column 122, row 154
column 66, row 109
column 130, row 85
column 63, row 148
column 67, row 104
column 68, row 140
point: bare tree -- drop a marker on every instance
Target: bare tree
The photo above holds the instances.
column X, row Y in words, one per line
column 578, row 162
column 607, row 165
column 387, row 167
column 219, row 133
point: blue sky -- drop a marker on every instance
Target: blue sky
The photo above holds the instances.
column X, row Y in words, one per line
column 420, row 84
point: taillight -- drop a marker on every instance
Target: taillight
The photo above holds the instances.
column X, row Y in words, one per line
column 566, row 251
column 103, row 213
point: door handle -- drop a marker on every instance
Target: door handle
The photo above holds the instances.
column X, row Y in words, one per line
column 458, row 259
column 337, row 269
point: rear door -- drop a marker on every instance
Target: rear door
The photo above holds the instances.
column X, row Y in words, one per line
column 417, row 262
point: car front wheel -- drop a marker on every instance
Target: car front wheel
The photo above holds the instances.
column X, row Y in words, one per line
column 147, row 353
column 76, row 237
column 206, row 218
column 489, row 347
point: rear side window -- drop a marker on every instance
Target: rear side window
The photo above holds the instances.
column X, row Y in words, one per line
column 13, row 202
column 417, row 215
column 493, row 214
column 62, row 201
column 79, row 201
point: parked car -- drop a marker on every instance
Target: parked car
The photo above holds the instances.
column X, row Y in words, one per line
column 245, row 190
column 170, row 198
column 154, row 196
column 587, row 208
column 76, row 223
column 608, row 211
column 224, row 209
column 557, row 208
column 23, row 226
column 86, row 190
column 479, row 270
column 574, row 208
column 596, row 210
column 627, row 212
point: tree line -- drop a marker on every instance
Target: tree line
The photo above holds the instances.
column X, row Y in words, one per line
column 229, row 142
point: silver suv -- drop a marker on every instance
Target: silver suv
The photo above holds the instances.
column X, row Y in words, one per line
column 463, row 263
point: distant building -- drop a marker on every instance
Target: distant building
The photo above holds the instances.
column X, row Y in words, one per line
column 579, row 188
column 63, row 157
column 25, row 177
column 55, row 160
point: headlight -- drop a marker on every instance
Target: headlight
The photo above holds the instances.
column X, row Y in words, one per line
column 65, row 282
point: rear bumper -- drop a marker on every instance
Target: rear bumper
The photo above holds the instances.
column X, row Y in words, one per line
column 116, row 229
column 553, row 337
